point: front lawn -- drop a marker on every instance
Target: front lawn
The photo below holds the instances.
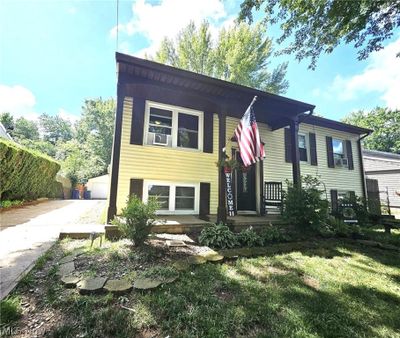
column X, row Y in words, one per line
column 319, row 288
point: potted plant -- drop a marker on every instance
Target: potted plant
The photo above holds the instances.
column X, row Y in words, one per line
column 228, row 164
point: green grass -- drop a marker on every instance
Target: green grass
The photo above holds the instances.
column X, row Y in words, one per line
column 10, row 310
column 320, row 288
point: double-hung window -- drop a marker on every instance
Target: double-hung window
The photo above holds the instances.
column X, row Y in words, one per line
column 302, row 147
column 179, row 198
column 175, row 127
column 338, row 149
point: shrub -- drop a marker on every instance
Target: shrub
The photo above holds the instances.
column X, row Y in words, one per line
column 303, row 204
column 271, row 235
column 10, row 310
column 137, row 219
column 338, row 227
column 25, row 174
column 249, row 237
column 218, row 236
column 8, row 204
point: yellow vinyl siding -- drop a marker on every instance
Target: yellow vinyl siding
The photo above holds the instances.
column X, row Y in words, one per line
column 164, row 164
column 276, row 169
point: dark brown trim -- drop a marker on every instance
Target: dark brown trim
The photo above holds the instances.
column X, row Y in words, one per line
column 208, row 132
column 332, row 124
column 313, row 149
column 221, row 211
column 294, row 142
column 136, row 187
column 137, row 122
column 262, row 204
column 152, row 69
column 288, row 146
column 362, row 172
column 334, row 200
column 112, row 207
column 349, row 153
column 329, row 152
column 204, row 208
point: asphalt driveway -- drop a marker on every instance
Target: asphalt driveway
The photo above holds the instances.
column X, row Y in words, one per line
column 26, row 233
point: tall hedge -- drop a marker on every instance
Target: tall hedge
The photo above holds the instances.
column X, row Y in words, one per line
column 24, row 173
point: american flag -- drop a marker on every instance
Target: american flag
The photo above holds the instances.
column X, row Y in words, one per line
column 248, row 138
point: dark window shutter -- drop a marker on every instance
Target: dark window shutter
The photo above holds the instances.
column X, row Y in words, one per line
column 352, row 195
column 349, row 154
column 137, row 124
column 334, row 200
column 329, row 152
column 136, row 187
column 208, row 133
column 313, row 149
column 288, row 146
column 204, row 199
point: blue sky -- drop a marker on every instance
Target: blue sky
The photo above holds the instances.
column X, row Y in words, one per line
column 54, row 54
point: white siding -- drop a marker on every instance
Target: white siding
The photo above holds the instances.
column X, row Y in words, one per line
column 276, row 169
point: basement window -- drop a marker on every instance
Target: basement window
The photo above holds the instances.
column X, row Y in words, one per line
column 174, row 198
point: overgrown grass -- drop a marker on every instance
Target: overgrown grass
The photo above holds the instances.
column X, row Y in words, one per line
column 321, row 288
column 10, row 310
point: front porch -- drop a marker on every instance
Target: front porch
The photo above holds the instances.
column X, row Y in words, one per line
column 177, row 224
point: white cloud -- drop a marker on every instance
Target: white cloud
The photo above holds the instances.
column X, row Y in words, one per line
column 381, row 75
column 17, row 100
column 168, row 17
column 67, row 115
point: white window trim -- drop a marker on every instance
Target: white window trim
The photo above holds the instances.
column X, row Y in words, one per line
column 174, row 131
column 172, row 192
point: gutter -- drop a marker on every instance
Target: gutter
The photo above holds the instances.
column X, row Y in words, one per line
column 360, row 154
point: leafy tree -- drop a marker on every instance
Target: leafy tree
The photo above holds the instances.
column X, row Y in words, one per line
column 96, row 129
column 240, row 54
column 386, row 126
column 8, row 122
column 44, row 147
column 55, row 128
column 78, row 162
column 25, row 129
column 320, row 26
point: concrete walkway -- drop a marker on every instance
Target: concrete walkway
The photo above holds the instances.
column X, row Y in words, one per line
column 27, row 233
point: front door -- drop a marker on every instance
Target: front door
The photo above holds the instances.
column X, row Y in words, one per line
column 245, row 187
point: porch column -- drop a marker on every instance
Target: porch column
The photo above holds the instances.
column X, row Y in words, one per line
column 294, row 139
column 221, row 211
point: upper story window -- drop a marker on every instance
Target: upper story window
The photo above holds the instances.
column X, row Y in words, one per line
column 175, row 127
column 303, row 147
column 338, row 149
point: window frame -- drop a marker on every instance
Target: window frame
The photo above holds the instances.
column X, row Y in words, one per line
column 172, row 195
column 343, row 155
column 306, row 147
column 176, row 110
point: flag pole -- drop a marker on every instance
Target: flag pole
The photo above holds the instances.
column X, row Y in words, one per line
column 254, row 100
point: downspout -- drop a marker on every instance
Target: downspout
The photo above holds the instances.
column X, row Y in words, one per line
column 363, row 181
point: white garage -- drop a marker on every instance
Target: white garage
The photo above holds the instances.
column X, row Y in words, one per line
column 99, row 186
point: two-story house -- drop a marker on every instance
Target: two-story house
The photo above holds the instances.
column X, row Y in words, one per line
column 171, row 127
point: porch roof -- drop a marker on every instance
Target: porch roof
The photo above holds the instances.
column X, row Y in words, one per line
column 272, row 109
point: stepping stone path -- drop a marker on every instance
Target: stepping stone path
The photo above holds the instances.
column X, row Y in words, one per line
column 118, row 286
column 175, row 243
column 146, row 283
column 70, row 281
column 67, row 259
column 66, row 269
column 91, row 285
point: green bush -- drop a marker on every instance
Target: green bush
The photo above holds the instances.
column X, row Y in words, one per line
column 10, row 310
column 249, row 237
column 272, row 235
column 303, row 204
column 25, row 174
column 8, row 204
column 218, row 236
column 137, row 219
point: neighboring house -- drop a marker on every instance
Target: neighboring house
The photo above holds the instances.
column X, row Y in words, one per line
column 385, row 167
column 99, row 186
column 171, row 126
column 4, row 134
